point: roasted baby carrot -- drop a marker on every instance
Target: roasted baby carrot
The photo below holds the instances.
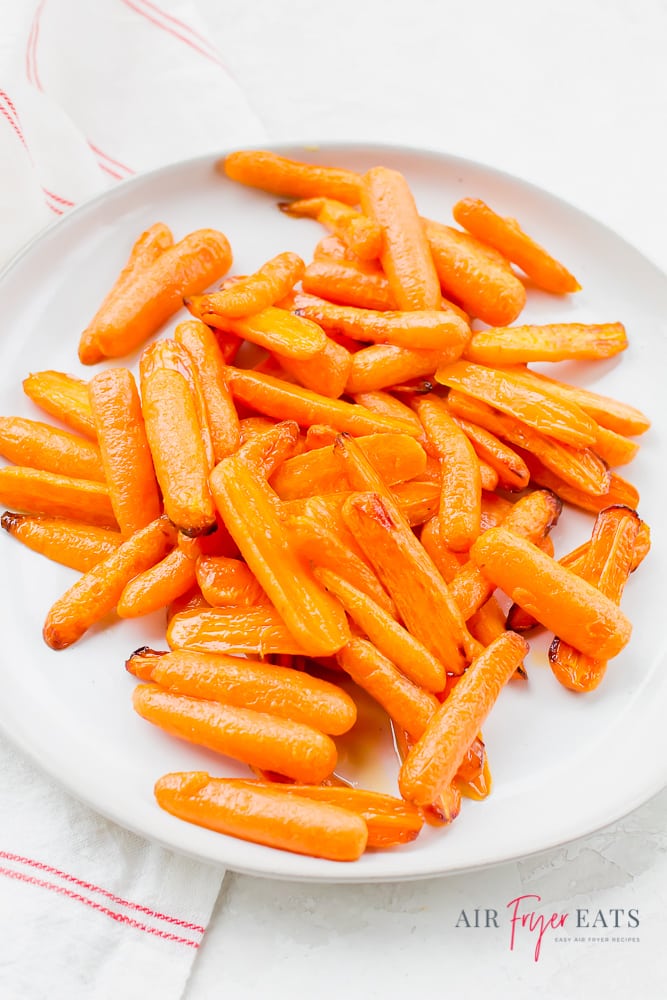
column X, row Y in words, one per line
column 289, row 402
column 474, row 275
column 247, row 506
column 411, row 578
column 63, row 397
column 607, row 564
column 506, row 235
column 358, row 232
column 559, row 599
column 40, row 446
column 292, row 178
column 406, row 703
column 209, row 361
column 35, row 492
column 157, row 292
column 79, row 546
column 618, row 491
column 396, row 457
column 381, row 366
column 147, row 248
column 433, row 761
column 261, row 814
column 271, row 282
column 390, row 821
column 380, row 401
column 225, row 581
column 326, row 372
column 121, row 434
column 98, row 591
column 500, row 388
column 174, row 437
column 461, row 487
column 157, row 586
column 447, row 561
column 256, row 738
column 257, row 630
column 512, row 345
column 423, row 329
column 512, row 471
column 275, row 329
column 349, row 283
column 410, row 655
column 406, row 258
column 281, row 691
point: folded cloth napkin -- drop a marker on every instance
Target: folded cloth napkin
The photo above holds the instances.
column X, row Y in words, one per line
column 90, row 94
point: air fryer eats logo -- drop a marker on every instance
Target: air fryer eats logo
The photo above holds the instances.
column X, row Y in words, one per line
column 526, row 923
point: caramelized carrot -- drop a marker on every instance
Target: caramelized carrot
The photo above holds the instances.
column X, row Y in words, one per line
column 157, row 292
column 209, row 362
column 261, row 814
column 128, row 464
column 146, row 250
column 287, row 402
column 361, row 234
column 406, row 259
column 79, row 546
column 225, row 581
column 157, row 586
column 257, row 630
column 349, row 283
column 553, row 594
column 618, row 491
column 98, row 591
column 277, row 330
column 406, row 703
column 35, row 492
column 552, row 342
column 423, row 329
column 325, row 373
column 281, row 691
column 255, row 738
column 63, row 397
column 432, row 763
column 507, row 236
column 40, row 446
column 292, row 178
column 477, row 277
column 181, row 465
column 270, row 283
column 383, row 365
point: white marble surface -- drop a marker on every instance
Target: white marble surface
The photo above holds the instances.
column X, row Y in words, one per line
column 572, row 95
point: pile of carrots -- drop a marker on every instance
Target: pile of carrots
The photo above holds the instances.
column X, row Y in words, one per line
column 333, row 468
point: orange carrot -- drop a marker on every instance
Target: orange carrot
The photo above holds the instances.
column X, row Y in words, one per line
column 512, row 471
column 246, row 504
column 275, row 329
column 157, row 292
column 287, row 402
column 507, row 236
column 35, row 492
column 209, row 361
column 407, row 704
column 146, row 250
column 461, row 493
column 432, row 763
column 292, row 178
column 361, row 234
column 477, row 277
column 423, row 329
column 98, row 591
column 553, row 594
column 410, row 655
column 270, row 283
column 281, row 691
column 261, row 814
column 383, row 365
column 40, row 446
column 224, row 581
column 618, row 490
column 326, row 372
column 63, row 397
column 256, row 738
column 157, row 586
column 128, row 465
column 181, row 465
column 406, row 259
column 79, row 546
column 552, row 342
column 253, row 631
column 349, row 283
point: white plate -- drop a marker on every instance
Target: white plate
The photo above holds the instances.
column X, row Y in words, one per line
column 563, row 765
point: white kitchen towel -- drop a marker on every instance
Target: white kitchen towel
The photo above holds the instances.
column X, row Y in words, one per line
column 92, row 92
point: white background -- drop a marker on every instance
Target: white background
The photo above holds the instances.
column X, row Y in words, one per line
column 571, row 95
